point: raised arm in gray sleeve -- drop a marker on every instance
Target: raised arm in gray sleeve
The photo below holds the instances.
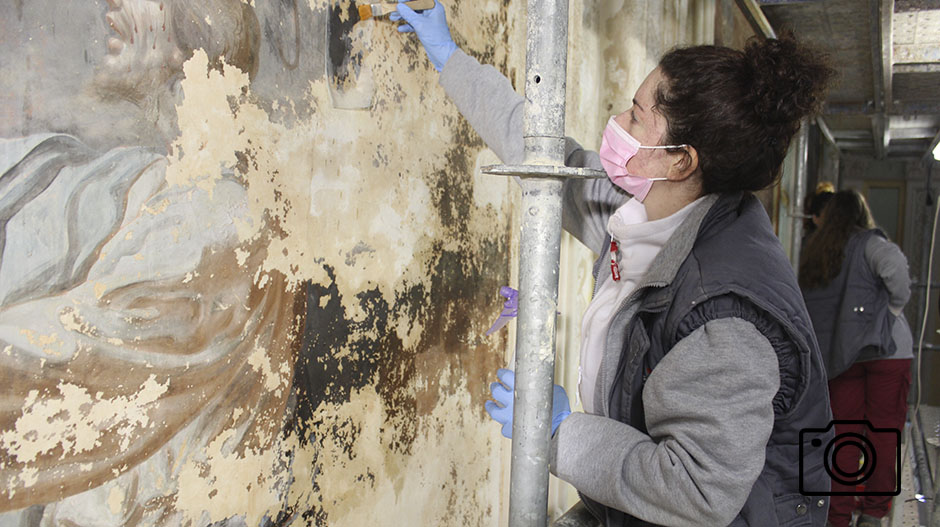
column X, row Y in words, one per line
column 488, row 101
column 887, row 261
column 709, row 412
column 486, row 98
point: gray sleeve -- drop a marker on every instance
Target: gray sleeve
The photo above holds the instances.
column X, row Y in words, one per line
column 488, row 101
column 887, row 261
column 486, row 98
column 709, row 412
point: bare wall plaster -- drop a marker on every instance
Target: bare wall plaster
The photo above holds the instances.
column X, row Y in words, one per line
column 222, row 299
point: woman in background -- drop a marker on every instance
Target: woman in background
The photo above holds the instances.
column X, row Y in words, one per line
column 856, row 283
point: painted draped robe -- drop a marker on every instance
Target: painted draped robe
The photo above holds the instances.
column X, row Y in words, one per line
column 132, row 331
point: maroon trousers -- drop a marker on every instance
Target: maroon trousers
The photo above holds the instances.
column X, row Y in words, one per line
column 875, row 391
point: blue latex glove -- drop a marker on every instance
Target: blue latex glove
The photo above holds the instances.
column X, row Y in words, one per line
column 501, row 410
column 560, row 407
column 431, row 27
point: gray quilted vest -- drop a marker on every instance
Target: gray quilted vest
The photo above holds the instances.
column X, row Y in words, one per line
column 759, row 286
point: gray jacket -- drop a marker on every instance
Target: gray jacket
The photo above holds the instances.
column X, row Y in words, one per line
column 851, row 313
column 708, row 403
column 888, row 261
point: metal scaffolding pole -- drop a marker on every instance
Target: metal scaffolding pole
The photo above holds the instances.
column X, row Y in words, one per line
column 541, row 176
column 799, row 189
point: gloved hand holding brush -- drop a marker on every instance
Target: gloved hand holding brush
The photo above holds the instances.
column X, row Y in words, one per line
column 431, row 27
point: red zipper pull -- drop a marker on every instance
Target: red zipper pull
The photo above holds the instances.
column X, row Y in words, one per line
column 614, row 267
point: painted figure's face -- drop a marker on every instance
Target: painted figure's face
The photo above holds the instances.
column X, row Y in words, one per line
column 143, row 48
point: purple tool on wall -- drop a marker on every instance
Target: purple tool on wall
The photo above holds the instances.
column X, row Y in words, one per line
column 510, row 309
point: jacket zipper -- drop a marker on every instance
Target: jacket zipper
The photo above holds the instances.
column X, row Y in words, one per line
column 605, row 387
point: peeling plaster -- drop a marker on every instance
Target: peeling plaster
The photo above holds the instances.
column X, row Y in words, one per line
column 369, row 483
column 76, row 420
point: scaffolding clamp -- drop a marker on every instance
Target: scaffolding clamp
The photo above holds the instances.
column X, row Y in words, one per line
column 544, row 171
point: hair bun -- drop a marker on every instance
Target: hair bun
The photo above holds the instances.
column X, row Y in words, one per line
column 789, row 80
column 740, row 109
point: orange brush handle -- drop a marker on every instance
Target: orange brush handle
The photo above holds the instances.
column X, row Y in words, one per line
column 365, row 12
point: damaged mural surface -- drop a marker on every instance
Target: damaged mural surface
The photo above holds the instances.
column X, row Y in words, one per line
column 246, row 264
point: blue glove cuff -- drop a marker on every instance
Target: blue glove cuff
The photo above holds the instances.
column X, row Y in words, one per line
column 557, row 419
column 442, row 55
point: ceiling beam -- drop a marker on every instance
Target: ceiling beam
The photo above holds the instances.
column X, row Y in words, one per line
column 887, row 54
column 866, row 108
column 847, row 108
column 756, row 18
column 912, row 133
column 919, row 67
column 879, row 132
column 881, row 54
column 917, row 5
column 855, row 144
column 913, row 150
column 917, row 108
column 841, row 135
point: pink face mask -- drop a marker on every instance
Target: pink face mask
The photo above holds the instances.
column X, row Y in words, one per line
column 617, row 147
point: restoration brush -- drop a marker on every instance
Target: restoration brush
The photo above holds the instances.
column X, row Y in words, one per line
column 367, row 11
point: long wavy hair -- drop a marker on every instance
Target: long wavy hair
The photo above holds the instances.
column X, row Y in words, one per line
column 845, row 214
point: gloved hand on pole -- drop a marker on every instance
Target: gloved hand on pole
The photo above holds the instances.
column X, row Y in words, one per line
column 431, row 27
column 501, row 410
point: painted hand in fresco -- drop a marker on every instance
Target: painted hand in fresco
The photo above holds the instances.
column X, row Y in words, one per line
column 510, row 309
column 431, row 28
column 501, row 410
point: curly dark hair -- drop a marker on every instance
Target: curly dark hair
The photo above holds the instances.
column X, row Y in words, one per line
column 845, row 214
column 740, row 109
